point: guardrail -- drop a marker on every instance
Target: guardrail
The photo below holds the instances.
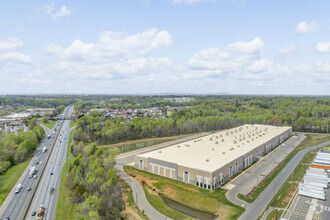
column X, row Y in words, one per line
column 26, row 207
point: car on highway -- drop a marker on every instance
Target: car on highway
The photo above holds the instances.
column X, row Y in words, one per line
column 40, row 162
column 28, row 188
column 7, row 218
column 34, row 213
column 51, row 173
column 34, row 177
column 51, row 191
column 18, row 188
column 37, row 162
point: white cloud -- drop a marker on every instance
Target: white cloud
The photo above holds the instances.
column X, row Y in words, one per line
column 323, row 47
column 318, row 72
column 303, row 27
column 251, row 47
column 241, row 63
column 50, row 9
column 286, row 50
column 210, row 58
column 15, row 57
column 10, row 43
column 115, row 55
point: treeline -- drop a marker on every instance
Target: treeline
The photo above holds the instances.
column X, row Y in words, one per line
column 95, row 193
column 20, row 103
column 15, row 149
column 304, row 114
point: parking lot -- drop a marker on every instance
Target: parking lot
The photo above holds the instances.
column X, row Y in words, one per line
column 309, row 208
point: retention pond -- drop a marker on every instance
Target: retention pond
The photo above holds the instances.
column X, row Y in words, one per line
column 195, row 213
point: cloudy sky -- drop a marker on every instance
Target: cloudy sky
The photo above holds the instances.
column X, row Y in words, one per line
column 165, row 46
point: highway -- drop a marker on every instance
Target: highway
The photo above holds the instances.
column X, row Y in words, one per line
column 18, row 206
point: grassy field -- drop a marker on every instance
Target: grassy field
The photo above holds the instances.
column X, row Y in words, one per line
column 10, row 178
column 50, row 124
column 274, row 214
column 72, row 123
column 195, row 197
column 284, row 195
column 143, row 140
column 63, row 205
column 310, row 140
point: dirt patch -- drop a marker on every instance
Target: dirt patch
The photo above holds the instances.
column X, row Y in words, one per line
column 130, row 214
column 170, row 192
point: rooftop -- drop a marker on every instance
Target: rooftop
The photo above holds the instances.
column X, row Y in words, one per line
column 213, row 151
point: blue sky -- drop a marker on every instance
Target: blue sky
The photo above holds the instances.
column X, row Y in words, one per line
column 165, row 46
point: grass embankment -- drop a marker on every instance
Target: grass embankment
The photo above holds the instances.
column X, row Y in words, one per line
column 195, row 197
column 309, row 141
column 118, row 145
column 72, row 123
column 131, row 211
column 285, row 193
column 49, row 124
column 63, row 205
column 10, row 178
column 274, row 214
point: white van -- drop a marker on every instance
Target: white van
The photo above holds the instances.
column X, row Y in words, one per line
column 18, row 188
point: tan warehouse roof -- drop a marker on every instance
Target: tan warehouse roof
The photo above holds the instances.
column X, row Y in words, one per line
column 216, row 150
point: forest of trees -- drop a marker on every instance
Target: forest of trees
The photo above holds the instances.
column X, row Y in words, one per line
column 306, row 114
column 15, row 149
column 95, row 193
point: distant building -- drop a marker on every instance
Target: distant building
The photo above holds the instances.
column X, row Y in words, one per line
column 40, row 111
column 13, row 127
column 180, row 99
column 210, row 160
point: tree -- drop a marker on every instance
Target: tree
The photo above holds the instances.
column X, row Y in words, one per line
column 44, row 120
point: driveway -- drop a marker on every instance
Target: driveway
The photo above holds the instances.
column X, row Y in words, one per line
column 254, row 210
column 251, row 177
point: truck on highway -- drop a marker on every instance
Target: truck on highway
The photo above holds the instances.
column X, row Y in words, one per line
column 40, row 214
column 32, row 171
column 18, row 188
column 44, row 149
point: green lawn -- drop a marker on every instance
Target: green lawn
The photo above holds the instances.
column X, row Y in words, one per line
column 283, row 196
column 274, row 214
column 10, row 178
column 310, row 140
column 118, row 145
column 195, row 197
column 50, row 124
column 72, row 123
column 64, row 205
column 158, row 203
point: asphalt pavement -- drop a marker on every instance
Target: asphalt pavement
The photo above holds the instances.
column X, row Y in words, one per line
column 256, row 208
column 244, row 183
column 52, row 176
column 15, row 206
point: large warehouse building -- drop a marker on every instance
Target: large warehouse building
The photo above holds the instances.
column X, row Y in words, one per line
column 208, row 161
